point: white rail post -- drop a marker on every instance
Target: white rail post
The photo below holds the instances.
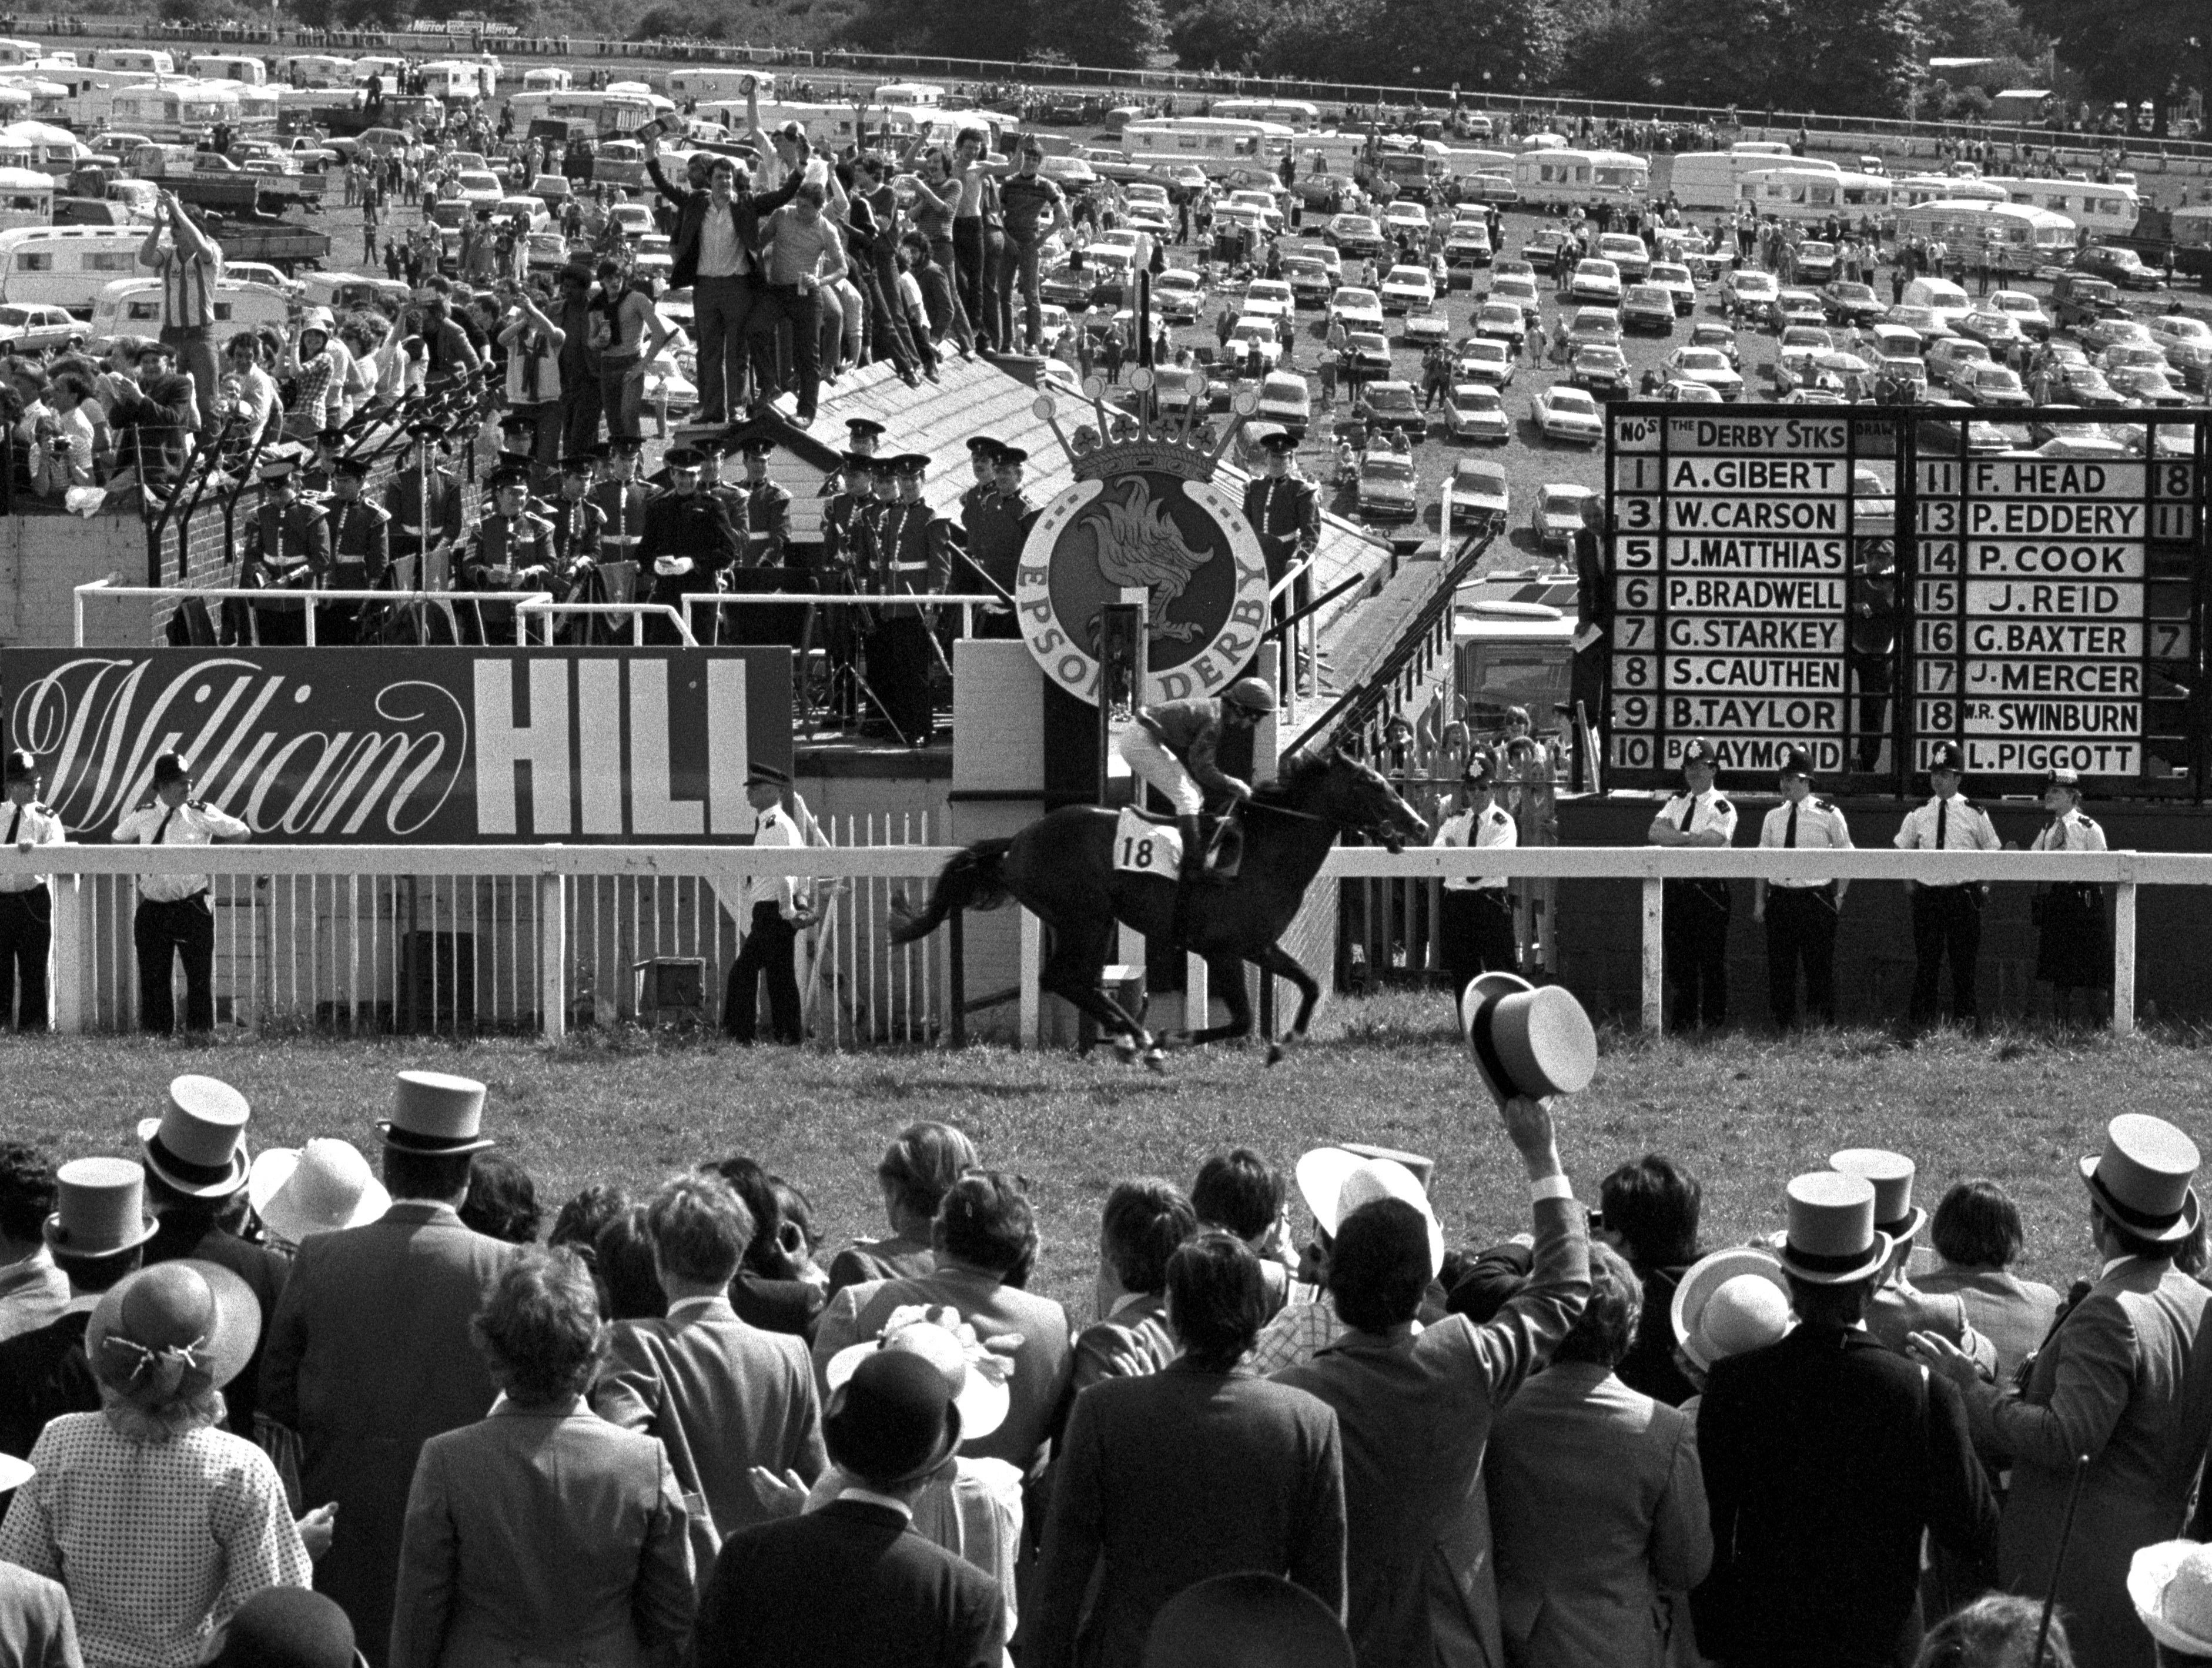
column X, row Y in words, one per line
column 1032, row 1010
column 1197, row 994
column 1655, row 911
column 2124, row 951
column 65, row 979
column 552, row 956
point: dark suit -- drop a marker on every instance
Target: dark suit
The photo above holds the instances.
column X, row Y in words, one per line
column 848, row 1586
column 1826, row 1456
column 369, row 1358
column 188, row 1234
column 1169, row 1479
column 43, row 1375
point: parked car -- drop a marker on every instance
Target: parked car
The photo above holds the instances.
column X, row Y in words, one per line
column 1708, row 366
column 2024, row 310
column 1674, row 278
column 1994, row 328
column 1386, row 491
column 2079, row 298
column 2187, row 342
column 1286, row 400
column 1559, row 514
column 2078, row 382
column 1502, row 320
column 1851, row 304
column 1476, row 411
column 1484, row 359
column 2124, row 267
column 1353, row 234
column 1308, row 279
column 1408, row 289
column 1990, row 385
column 1370, row 353
column 1749, row 294
column 1423, row 330
column 1391, row 405
column 2142, row 384
column 1948, row 358
column 1816, row 262
column 1798, row 307
column 1597, row 281
column 1478, row 487
column 1626, row 251
column 1260, row 334
column 1568, row 414
column 1180, row 294
column 1601, row 370
column 1356, row 308
column 1647, row 307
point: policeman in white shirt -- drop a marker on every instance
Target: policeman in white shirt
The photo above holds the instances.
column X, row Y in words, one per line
column 1800, row 915
column 771, row 911
column 1475, row 932
column 174, row 917
column 26, row 907
column 2074, row 945
column 1695, row 936
column 1946, row 917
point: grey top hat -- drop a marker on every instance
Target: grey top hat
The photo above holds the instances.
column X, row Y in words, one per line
column 1892, row 1174
column 1527, row 1040
column 100, row 1208
column 197, row 1145
column 1833, row 1239
column 433, row 1112
column 2140, row 1180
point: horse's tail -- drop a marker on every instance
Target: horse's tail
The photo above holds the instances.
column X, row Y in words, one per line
column 969, row 881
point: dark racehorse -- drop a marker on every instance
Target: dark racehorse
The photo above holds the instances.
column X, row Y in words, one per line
column 1062, row 869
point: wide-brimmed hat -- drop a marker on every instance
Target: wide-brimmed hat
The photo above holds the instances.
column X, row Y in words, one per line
column 1731, row 1301
column 981, row 1398
column 197, row 1145
column 1527, row 1041
column 893, row 1421
column 100, row 1208
column 2170, row 1584
column 15, row 1473
column 2140, row 1180
column 1246, row 1620
column 288, row 1627
column 1832, row 1240
column 156, row 1326
column 1892, row 1174
column 1335, row 1181
column 321, row 1188
column 435, row 1113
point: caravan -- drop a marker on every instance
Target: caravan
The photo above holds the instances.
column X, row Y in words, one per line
column 230, row 66
column 1712, row 181
column 26, row 198
column 132, row 307
column 1215, row 143
column 65, row 265
column 1568, row 176
column 2100, row 211
column 1811, row 195
column 1297, row 114
column 134, row 61
column 2020, row 238
column 707, row 85
column 315, row 70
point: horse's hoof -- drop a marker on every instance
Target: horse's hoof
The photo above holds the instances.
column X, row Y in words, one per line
column 1155, row 1058
column 1125, row 1047
column 1275, row 1053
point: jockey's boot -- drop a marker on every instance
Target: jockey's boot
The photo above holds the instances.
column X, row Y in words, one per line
column 1193, row 848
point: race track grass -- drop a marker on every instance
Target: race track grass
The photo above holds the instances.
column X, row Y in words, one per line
column 1744, row 1113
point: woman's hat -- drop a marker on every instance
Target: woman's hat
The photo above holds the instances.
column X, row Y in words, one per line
column 893, row 1421
column 1336, row 1181
column 1246, row 1620
column 2140, row 1180
column 2170, row 1584
column 981, row 1399
column 1525, row 1040
column 320, row 1187
column 156, row 1327
column 1832, row 1240
column 15, row 1473
column 100, row 1208
column 1731, row 1301
column 197, row 1145
column 288, row 1628
column 1891, row 1174
column 432, row 1112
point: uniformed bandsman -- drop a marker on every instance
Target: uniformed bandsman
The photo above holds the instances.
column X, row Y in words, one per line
column 579, row 528
column 839, row 628
column 1947, row 916
column 1695, row 937
column 907, row 551
column 424, row 504
column 765, row 507
column 1475, row 933
column 361, row 549
column 2073, row 942
column 175, row 918
column 983, row 461
column 1801, row 915
column 288, row 549
column 622, row 499
column 518, row 449
column 1285, row 511
column 317, row 474
column 26, row 907
column 686, row 543
column 760, row 509
column 865, row 435
column 512, row 551
column 995, row 541
column 774, row 909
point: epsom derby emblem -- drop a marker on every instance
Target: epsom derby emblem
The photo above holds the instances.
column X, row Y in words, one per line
column 1144, row 517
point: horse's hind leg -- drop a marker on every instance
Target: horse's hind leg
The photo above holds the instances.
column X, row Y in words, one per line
column 1276, row 960
column 1072, row 971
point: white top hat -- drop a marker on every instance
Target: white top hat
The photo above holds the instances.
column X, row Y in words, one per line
column 197, row 1145
column 320, row 1187
column 1336, row 1181
column 433, row 1112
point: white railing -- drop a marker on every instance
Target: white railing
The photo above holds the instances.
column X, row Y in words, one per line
column 330, row 935
column 287, row 601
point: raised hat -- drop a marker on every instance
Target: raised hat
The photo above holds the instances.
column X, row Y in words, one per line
column 156, row 1326
column 1249, row 1619
column 982, row 1398
column 1335, row 1181
column 100, row 1208
column 1832, row 1240
column 288, row 1628
column 1700, row 752
column 1892, row 1174
column 2140, row 1180
column 320, row 1187
column 893, row 1421
column 22, row 765
column 433, row 1112
column 197, row 1145
column 1525, row 1040
column 2170, row 1584
column 1728, row 1302
column 1795, row 762
column 1948, row 756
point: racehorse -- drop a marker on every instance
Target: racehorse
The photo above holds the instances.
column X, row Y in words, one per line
column 1060, row 867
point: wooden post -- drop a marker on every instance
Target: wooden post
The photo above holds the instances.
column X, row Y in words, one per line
column 1655, row 913
column 2123, row 952
column 956, row 978
column 65, row 979
column 1197, row 998
column 1030, row 1031
column 553, row 956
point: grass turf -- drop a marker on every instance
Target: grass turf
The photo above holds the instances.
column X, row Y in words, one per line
column 1743, row 1113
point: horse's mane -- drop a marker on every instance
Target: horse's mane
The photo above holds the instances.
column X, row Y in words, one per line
column 1297, row 773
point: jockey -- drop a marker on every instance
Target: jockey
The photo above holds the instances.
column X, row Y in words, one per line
column 1173, row 746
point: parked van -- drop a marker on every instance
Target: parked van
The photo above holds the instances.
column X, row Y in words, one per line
column 132, row 307
column 349, row 292
column 65, row 265
column 1568, row 176
column 1946, row 299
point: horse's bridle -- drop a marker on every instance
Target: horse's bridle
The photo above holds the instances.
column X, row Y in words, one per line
column 1391, row 842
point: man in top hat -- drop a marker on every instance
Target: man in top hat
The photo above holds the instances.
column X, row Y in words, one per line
column 2123, row 1381
column 622, row 498
column 686, row 543
column 424, row 504
column 512, row 549
column 1897, row 1308
column 97, row 1234
column 175, row 921
column 370, row 1355
column 1475, row 933
column 26, row 906
column 1946, row 914
column 996, row 534
column 906, row 551
column 772, row 909
column 1828, row 1457
column 1800, row 915
column 360, row 549
column 1694, row 933
column 898, row 1598
column 287, row 548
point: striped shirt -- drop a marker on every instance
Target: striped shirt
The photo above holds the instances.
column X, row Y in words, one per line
column 188, row 289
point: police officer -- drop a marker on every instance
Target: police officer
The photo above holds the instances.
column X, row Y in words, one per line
column 1285, row 511
column 1000, row 529
column 174, row 919
column 1947, row 916
column 1475, row 931
column 361, row 549
column 2074, row 946
column 27, row 908
column 424, row 504
column 908, row 550
column 1695, row 937
column 511, row 551
column 287, row 548
column 622, row 498
column 774, row 912
column 687, row 542
column 1800, row 915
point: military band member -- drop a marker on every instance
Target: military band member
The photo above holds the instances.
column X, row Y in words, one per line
column 767, row 510
column 984, row 459
column 26, row 907
column 424, row 502
column 361, row 549
column 2074, row 943
column 687, row 542
column 908, row 550
column 1801, row 915
column 1285, row 511
column 622, row 499
column 511, row 551
column 518, row 448
column 1947, row 916
column 578, row 529
column 865, row 435
column 994, row 543
column 853, row 501
column 288, row 549
column 1695, row 937
column 175, row 919
column 1475, row 932
column 773, row 911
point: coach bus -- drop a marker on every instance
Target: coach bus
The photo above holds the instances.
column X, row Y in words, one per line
column 228, row 66
column 2023, row 238
column 1916, row 189
column 1215, row 143
column 1299, row 115
column 1569, row 176
column 2100, row 211
column 1816, row 194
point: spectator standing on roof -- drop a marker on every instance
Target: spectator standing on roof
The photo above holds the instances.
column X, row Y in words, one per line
column 190, row 264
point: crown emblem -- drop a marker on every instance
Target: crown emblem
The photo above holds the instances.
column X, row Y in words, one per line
column 1125, row 442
